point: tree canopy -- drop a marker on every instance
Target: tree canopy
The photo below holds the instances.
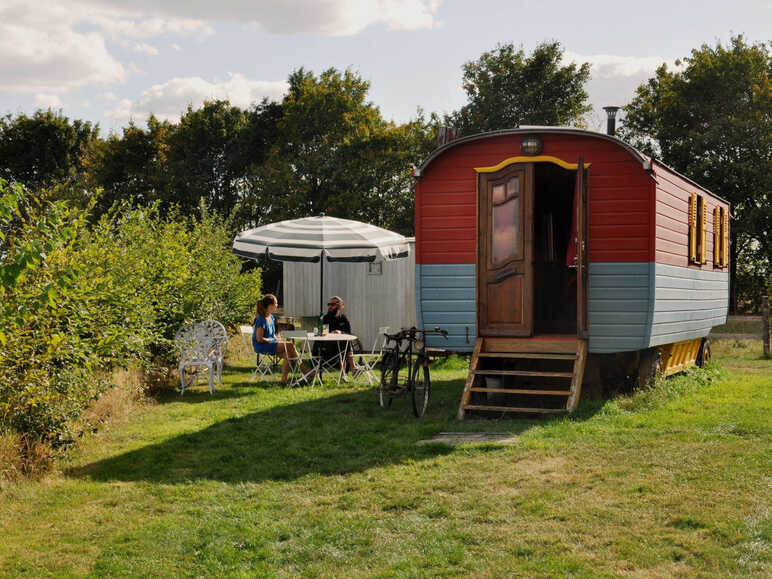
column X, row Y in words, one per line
column 44, row 148
column 335, row 154
column 505, row 88
column 712, row 120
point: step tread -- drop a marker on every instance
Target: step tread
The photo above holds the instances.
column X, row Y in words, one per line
column 521, row 391
column 528, row 355
column 513, row 409
column 522, row 373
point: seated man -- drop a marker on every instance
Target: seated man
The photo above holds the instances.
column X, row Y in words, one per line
column 338, row 323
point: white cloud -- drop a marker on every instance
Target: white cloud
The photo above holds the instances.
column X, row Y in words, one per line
column 169, row 100
column 46, row 101
column 614, row 78
column 144, row 48
column 41, row 51
column 135, row 69
column 606, row 66
column 52, row 46
column 122, row 111
column 109, row 96
column 326, row 17
column 140, row 25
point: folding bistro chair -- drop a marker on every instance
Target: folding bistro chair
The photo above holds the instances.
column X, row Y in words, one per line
column 364, row 363
column 296, row 375
column 264, row 363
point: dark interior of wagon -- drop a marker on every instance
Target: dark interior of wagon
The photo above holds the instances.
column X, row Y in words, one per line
column 554, row 282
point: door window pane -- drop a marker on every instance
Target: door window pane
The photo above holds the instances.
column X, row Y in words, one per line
column 513, row 186
column 506, row 230
column 499, row 194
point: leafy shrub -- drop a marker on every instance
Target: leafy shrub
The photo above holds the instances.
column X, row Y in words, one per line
column 77, row 302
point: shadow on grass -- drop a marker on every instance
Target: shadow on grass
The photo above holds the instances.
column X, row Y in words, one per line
column 199, row 393
column 338, row 434
column 330, row 435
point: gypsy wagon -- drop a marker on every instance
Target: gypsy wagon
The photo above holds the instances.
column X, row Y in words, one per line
column 539, row 248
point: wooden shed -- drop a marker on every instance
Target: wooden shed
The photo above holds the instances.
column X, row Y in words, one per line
column 539, row 246
column 376, row 294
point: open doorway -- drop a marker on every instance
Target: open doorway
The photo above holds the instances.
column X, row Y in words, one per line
column 554, row 282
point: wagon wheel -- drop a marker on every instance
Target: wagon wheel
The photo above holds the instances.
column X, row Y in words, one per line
column 649, row 367
column 703, row 356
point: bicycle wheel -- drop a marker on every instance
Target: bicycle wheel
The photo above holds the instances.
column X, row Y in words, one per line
column 420, row 388
column 389, row 375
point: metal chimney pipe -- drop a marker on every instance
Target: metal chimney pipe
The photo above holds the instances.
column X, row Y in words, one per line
column 611, row 124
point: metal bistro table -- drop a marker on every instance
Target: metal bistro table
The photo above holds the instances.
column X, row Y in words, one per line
column 342, row 341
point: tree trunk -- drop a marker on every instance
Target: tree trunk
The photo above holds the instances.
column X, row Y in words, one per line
column 733, row 272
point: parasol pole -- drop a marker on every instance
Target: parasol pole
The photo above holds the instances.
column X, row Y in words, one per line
column 321, row 287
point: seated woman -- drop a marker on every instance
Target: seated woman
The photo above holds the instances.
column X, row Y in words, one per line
column 264, row 340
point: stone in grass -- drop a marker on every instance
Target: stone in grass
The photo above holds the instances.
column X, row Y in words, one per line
column 457, row 438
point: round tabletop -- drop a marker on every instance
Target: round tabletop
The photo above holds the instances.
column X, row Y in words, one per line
column 332, row 338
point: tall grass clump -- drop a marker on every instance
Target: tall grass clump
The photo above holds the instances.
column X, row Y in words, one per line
column 79, row 300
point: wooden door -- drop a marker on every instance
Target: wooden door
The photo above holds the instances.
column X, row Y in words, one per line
column 582, row 237
column 504, row 252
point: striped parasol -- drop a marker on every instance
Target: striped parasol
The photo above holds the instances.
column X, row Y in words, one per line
column 312, row 238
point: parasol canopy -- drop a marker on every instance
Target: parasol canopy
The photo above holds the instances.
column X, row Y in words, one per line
column 314, row 238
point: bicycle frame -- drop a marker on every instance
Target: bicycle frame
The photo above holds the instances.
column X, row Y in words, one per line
column 413, row 359
column 407, row 357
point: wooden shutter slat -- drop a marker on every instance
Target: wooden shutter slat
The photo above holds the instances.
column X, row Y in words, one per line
column 703, row 231
column 693, row 227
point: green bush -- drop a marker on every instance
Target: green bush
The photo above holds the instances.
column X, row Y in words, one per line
column 76, row 302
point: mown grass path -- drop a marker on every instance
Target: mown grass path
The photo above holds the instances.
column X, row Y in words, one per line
column 261, row 480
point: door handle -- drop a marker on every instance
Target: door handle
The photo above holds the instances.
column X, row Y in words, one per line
column 504, row 274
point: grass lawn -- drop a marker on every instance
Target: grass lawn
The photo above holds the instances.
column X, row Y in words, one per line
column 739, row 325
column 262, row 480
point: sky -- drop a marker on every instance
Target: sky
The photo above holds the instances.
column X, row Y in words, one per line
column 112, row 61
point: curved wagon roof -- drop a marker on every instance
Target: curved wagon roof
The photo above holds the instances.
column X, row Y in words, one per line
column 645, row 161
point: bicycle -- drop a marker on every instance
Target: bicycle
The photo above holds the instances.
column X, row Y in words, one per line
column 417, row 382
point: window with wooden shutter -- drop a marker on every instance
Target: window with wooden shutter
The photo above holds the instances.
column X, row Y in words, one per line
column 717, row 237
column 724, row 236
column 693, row 228
column 703, row 221
column 698, row 229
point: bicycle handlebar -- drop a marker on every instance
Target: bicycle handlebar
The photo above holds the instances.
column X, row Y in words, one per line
column 409, row 333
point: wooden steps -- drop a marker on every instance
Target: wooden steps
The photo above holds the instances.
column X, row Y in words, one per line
column 524, row 375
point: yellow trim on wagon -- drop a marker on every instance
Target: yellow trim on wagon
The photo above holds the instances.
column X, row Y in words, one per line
column 534, row 159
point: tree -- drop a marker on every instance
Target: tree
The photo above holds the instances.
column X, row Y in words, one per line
column 505, row 88
column 131, row 166
column 336, row 155
column 212, row 151
column 44, row 149
column 712, row 121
